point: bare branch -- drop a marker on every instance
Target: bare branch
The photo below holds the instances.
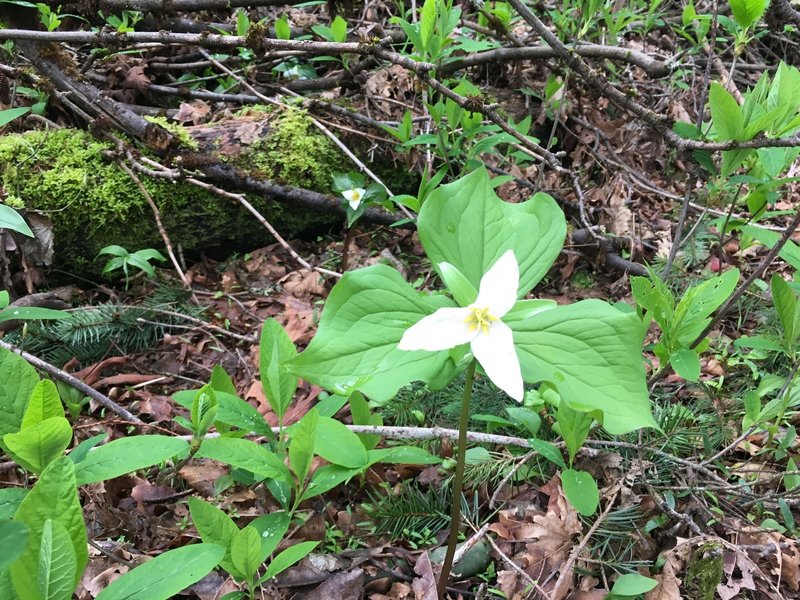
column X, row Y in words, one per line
column 652, row 66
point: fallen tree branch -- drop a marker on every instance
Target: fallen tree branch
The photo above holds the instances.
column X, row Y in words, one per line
column 654, row 67
column 607, row 249
column 169, row 6
column 781, row 12
column 215, row 40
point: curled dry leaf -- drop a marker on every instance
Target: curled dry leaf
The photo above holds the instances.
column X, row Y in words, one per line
column 424, row 586
column 548, row 538
column 669, row 586
column 194, row 112
column 738, row 573
column 303, row 283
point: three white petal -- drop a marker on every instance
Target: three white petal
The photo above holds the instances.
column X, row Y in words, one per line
column 354, row 196
column 479, row 325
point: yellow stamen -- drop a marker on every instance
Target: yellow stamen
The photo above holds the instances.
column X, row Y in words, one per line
column 480, row 318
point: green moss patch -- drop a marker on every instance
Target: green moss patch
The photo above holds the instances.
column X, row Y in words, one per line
column 92, row 203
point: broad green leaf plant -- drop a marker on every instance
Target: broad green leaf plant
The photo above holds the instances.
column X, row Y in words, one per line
column 378, row 334
column 42, row 533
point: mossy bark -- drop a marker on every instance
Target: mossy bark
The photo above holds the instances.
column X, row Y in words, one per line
column 704, row 572
column 67, row 175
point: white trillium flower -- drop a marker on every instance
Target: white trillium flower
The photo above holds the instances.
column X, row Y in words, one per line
column 354, row 196
column 480, row 326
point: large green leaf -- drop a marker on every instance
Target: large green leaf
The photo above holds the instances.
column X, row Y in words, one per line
column 355, row 346
column 44, row 403
column 725, row 113
column 747, row 12
column 287, row 558
column 465, row 224
column 592, row 353
column 231, row 410
column 57, row 563
column 166, row 575
column 790, row 251
column 13, row 538
column 301, row 448
column 580, row 488
column 275, row 349
column 328, row 477
column 693, row 311
column 246, row 551
column 215, row 527
column 37, row 446
column 17, row 380
column 126, row 455
column 427, row 21
column 245, row 454
column 729, row 124
column 13, row 313
column 787, row 304
column 55, row 497
column 271, row 527
column 9, row 218
column 338, row 445
column 10, row 499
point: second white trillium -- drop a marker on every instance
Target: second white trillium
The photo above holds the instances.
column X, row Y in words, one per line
column 354, row 197
column 480, row 326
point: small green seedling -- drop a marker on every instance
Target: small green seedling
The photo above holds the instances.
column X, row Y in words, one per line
column 122, row 259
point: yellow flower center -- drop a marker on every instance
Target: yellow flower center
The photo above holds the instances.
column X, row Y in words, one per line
column 480, row 318
column 356, row 195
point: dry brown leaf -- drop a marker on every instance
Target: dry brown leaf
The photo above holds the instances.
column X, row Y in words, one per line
column 303, row 283
column 194, row 112
column 201, row 475
column 298, row 319
column 392, row 82
column 99, row 582
column 669, row 586
column 136, row 79
column 622, row 220
column 790, row 567
column 398, row 591
column 159, row 407
column 507, row 582
column 214, row 586
column 144, row 491
column 738, row 570
column 424, row 586
column 589, row 595
column 556, row 529
column 344, row 585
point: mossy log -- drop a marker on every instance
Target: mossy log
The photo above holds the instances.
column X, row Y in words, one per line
column 69, row 176
column 704, row 572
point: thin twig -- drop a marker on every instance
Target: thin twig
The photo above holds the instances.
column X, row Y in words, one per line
column 241, row 199
column 54, row 371
column 738, row 293
column 504, row 481
column 693, row 176
column 567, row 570
column 507, row 560
column 160, row 226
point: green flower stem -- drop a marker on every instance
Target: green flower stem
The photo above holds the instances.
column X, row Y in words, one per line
column 458, row 483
